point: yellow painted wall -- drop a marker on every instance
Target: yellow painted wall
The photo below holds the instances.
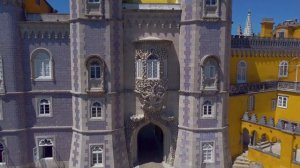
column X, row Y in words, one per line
column 262, row 69
column 237, row 107
column 266, row 29
column 289, row 142
column 291, row 113
column 154, row 1
column 31, row 7
column 297, row 32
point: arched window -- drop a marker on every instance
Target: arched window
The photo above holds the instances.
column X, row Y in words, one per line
column 153, row 67
column 42, row 65
column 97, row 156
column 283, row 69
column 210, row 74
column 208, row 152
column 211, row 2
column 2, row 160
column 139, row 69
column 96, row 110
column 95, row 70
column 44, row 107
column 207, row 109
column 242, row 72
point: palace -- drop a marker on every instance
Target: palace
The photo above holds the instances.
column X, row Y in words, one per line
column 137, row 83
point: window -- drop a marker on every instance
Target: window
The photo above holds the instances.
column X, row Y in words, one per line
column 274, row 104
column 280, row 34
column 297, row 155
column 209, row 74
column 44, row 107
column 251, row 103
column 45, row 148
column 153, row 67
column 207, row 109
column 139, row 69
column 95, row 70
column 97, row 156
column 2, row 159
column 94, row 1
column 242, row 72
column 42, row 65
column 282, row 101
column 283, row 69
column 211, row 2
column 210, row 71
column 96, row 110
column 208, row 152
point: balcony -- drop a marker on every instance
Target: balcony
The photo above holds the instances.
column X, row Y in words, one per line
column 244, row 88
column 289, row 86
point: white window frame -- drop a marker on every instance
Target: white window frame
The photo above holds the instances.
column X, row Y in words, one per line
column 251, row 103
column 38, row 106
column 273, row 104
column 96, row 108
column 39, row 147
column 208, row 107
column 94, row 65
column 283, row 69
column 103, row 108
column 94, row 1
column 91, row 146
column 42, row 65
column 210, row 71
column 139, row 69
column 297, row 155
column 242, row 72
column 211, row 2
column 150, row 64
column 282, row 101
column 205, row 154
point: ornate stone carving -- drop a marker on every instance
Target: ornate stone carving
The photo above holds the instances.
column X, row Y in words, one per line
column 2, row 87
column 151, row 92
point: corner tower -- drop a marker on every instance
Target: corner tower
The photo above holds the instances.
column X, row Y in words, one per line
column 96, row 34
column 203, row 103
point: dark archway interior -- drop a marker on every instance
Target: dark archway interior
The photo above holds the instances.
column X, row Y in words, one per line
column 246, row 139
column 150, row 144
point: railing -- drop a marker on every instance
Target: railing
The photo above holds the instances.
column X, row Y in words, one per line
column 289, row 86
column 252, row 87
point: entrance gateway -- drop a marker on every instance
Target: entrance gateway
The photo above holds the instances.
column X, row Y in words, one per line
column 150, row 144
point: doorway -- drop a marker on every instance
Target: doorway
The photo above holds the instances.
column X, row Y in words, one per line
column 150, row 144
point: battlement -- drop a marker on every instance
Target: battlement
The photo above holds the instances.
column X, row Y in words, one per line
column 256, row 42
column 283, row 125
column 52, row 17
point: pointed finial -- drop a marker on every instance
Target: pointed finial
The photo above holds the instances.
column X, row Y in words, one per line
column 248, row 27
column 239, row 30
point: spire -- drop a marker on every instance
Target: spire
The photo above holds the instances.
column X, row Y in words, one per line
column 239, row 30
column 248, row 28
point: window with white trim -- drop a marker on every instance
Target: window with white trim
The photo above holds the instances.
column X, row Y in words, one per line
column 211, row 2
column 283, row 69
column 97, row 155
column 46, row 148
column 251, row 103
column 93, row 1
column 44, row 107
column 153, row 67
column 96, row 110
column 274, row 104
column 282, row 101
column 42, row 65
column 242, row 72
column 208, row 152
column 95, row 70
column 139, row 69
column 2, row 154
column 207, row 109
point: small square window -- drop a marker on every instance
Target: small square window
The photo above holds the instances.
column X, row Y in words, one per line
column 208, row 150
column 97, row 155
column 44, row 107
column 45, row 148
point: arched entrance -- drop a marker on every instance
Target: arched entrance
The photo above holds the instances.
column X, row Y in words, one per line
column 150, row 144
column 246, row 139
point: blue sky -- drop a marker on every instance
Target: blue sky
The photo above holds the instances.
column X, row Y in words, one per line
column 280, row 10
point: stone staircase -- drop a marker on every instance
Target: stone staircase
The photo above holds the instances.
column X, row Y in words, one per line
column 241, row 161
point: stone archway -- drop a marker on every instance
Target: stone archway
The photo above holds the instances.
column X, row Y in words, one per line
column 150, row 144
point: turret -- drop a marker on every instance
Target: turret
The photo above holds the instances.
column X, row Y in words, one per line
column 203, row 102
column 248, row 27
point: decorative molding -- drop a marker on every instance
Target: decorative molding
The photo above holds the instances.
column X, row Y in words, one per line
column 45, row 30
column 2, row 85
